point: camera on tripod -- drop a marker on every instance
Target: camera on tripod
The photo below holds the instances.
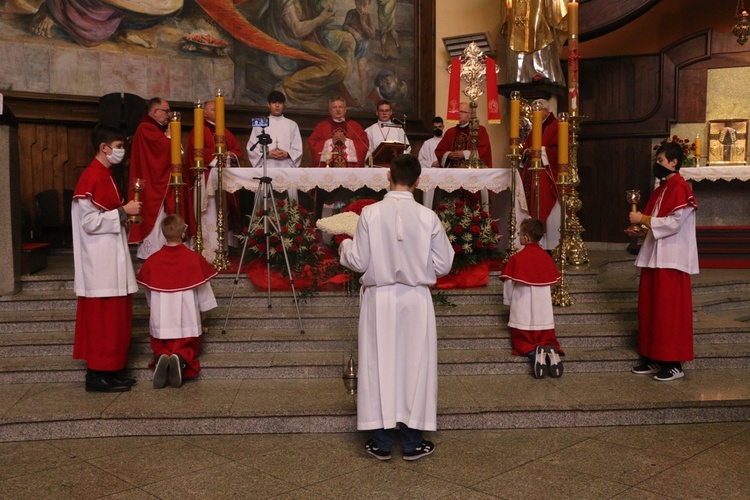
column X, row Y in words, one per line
column 261, row 122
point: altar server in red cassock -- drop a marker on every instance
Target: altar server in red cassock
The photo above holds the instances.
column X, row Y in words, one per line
column 668, row 256
column 549, row 208
column 209, row 151
column 338, row 141
column 179, row 294
column 104, row 279
column 529, row 275
column 151, row 159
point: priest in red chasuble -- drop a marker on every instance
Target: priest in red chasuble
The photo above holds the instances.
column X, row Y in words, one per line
column 455, row 146
column 150, row 159
column 338, row 141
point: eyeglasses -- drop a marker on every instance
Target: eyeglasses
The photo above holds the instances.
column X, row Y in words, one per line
column 162, row 109
column 384, row 111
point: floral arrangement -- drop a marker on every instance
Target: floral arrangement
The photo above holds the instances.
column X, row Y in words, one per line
column 688, row 149
column 475, row 236
column 297, row 235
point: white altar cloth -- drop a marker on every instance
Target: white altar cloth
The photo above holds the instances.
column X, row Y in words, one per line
column 328, row 179
column 741, row 173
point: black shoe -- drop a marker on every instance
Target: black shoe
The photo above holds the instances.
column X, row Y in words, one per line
column 122, row 380
column 175, row 371
column 672, row 371
column 540, row 362
column 160, row 373
column 554, row 363
column 104, row 383
column 377, row 452
column 425, row 448
column 647, row 367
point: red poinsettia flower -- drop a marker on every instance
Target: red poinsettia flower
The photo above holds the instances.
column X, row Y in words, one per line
column 299, row 239
column 458, row 229
column 298, row 226
column 475, row 229
column 441, row 207
column 460, row 212
column 284, row 229
column 457, row 248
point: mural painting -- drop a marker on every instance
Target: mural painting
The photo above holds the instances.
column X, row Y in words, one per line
column 182, row 50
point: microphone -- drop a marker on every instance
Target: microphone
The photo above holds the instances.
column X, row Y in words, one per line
column 390, row 125
column 368, row 157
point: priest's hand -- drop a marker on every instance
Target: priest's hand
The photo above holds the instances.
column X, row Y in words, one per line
column 132, row 207
column 456, row 155
column 338, row 137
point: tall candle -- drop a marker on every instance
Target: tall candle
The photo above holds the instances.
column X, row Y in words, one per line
column 219, row 102
column 698, row 150
column 198, row 127
column 536, row 130
column 515, row 116
column 573, row 18
column 175, row 131
column 562, row 142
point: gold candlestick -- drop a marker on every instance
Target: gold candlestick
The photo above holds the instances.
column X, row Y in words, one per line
column 198, row 168
column 560, row 295
column 515, row 160
column 633, row 196
column 577, row 253
column 137, row 185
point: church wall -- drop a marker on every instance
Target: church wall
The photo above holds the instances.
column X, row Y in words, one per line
column 455, row 18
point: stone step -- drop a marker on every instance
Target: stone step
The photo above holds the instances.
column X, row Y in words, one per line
column 325, row 364
column 63, row 410
column 707, row 330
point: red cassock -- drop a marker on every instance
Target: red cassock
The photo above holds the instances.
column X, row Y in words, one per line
column 209, row 153
column 103, row 324
column 176, row 269
column 458, row 139
column 548, row 176
column 151, row 159
column 325, row 129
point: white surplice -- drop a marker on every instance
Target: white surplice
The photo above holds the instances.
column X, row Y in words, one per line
column 426, row 159
column 284, row 135
column 386, row 131
column 103, row 267
column 177, row 315
column 401, row 247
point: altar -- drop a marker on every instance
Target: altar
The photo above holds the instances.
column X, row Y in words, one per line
column 722, row 218
column 328, row 179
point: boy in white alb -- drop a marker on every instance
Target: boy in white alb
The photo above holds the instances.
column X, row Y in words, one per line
column 179, row 294
column 528, row 276
column 384, row 130
column 285, row 150
column 401, row 247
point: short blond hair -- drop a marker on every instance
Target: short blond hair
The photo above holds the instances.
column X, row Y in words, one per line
column 173, row 228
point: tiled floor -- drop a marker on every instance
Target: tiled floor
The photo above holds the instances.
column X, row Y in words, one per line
column 643, row 462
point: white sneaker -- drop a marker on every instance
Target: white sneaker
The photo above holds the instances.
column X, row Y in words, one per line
column 671, row 373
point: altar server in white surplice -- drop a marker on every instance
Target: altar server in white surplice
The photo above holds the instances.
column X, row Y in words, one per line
column 285, row 150
column 401, row 247
column 384, row 130
column 427, row 158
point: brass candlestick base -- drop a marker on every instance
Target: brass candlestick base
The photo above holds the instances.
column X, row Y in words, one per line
column 199, row 167
column 515, row 160
column 576, row 250
column 560, row 295
column 221, row 262
column 137, row 185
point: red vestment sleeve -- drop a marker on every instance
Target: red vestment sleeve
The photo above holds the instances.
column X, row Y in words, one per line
column 320, row 134
column 445, row 145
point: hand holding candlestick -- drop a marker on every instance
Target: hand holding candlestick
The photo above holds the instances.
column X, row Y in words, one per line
column 137, row 185
column 635, row 228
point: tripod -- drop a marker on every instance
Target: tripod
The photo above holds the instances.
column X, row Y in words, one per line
column 263, row 194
